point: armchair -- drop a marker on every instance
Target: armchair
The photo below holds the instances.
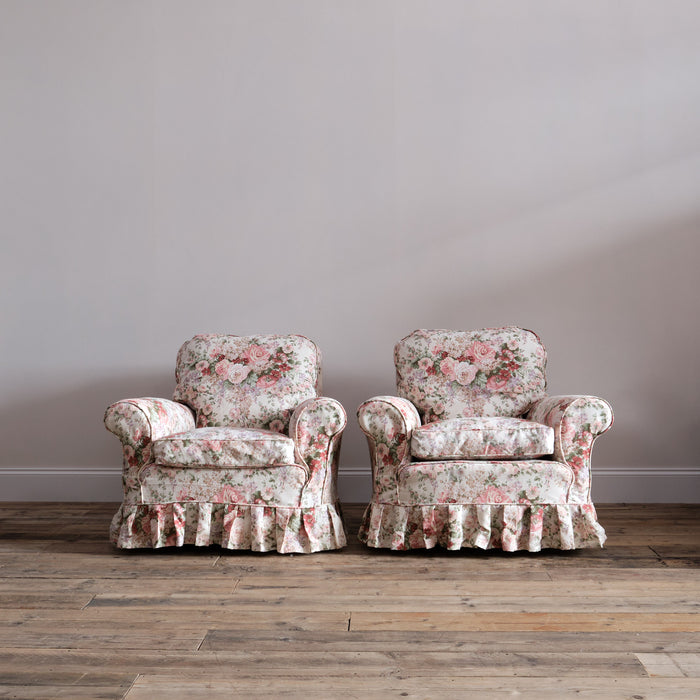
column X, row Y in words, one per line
column 245, row 456
column 472, row 453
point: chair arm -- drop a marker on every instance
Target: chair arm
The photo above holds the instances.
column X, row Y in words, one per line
column 137, row 422
column 577, row 422
column 316, row 426
column 388, row 422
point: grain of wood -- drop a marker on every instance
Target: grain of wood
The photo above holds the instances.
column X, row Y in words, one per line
column 185, row 618
column 79, row 619
column 147, row 687
column 483, row 641
column 527, row 621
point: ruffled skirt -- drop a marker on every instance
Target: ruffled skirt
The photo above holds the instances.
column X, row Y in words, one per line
column 257, row 527
column 508, row 527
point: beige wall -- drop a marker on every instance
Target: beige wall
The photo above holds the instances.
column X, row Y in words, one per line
column 351, row 171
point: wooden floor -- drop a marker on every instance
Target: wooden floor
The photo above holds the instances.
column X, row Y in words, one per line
column 79, row 619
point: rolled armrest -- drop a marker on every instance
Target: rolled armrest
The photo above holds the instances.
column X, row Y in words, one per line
column 137, row 422
column 577, row 422
column 316, row 426
column 388, row 422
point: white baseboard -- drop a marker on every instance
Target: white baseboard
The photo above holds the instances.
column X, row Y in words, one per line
column 646, row 485
column 610, row 484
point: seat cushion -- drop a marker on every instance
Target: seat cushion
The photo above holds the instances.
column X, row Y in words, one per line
column 224, row 447
column 488, row 437
column 485, row 482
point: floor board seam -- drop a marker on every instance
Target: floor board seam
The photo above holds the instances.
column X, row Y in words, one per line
column 133, row 683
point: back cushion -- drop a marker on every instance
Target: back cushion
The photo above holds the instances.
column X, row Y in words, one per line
column 488, row 372
column 248, row 382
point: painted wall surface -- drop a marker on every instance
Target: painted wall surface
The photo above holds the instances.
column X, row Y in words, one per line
column 350, row 171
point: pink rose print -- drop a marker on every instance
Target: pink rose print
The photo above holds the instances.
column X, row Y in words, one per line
column 447, row 367
column 130, row 455
column 145, row 523
column 222, row 368
column 484, row 355
column 424, row 363
column 227, row 494
column 383, row 454
column 497, row 381
column 277, row 426
column 492, row 495
column 568, row 430
column 179, row 519
column 256, row 356
column 465, row 373
column 237, row 373
column 266, row 381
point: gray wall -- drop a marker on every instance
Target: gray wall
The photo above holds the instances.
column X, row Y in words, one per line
column 351, row 171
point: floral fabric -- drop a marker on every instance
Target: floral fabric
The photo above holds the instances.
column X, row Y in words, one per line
column 248, row 382
column 509, row 527
column 224, row 447
column 456, row 374
column 261, row 528
column 473, row 474
column 496, row 483
column 271, row 486
column 316, row 428
column 236, row 480
column 388, row 422
column 577, row 422
column 490, row 437
column 137, row 422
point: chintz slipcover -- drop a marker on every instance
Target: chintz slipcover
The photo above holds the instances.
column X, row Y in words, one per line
column 245, row 456
column 473, row 453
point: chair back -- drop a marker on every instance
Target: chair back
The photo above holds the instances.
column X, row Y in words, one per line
column 487, row 372
column 247, row 381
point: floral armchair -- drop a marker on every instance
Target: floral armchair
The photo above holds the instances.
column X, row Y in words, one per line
column 472, row 453
column 245, row 456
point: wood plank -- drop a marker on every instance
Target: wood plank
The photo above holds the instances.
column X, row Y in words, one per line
column 81, row 634
column 54, row 692
column 221, row 585
column 475, row 586
column 671, row 665
column 53, row 601
column 182, row 688
column 40, row 676
column 185, row 618
column 111, row 565
column 660, row 665
column 548, row 622
column 304, row 664
column 262, row 602
column 606, row 576
column 233, row 639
